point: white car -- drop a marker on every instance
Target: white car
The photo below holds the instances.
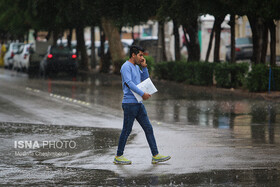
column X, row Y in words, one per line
column 21, row 58
column 12, row 49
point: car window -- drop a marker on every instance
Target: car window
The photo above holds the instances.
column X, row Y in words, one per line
column 20, row 48
column 243, row 41
column 15, row 48
column 60, row 50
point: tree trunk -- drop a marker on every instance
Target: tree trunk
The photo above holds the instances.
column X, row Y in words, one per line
column 232, row 38
column 49, row 35
column 35, row 34
column 218, row 28
column 69, row 37
column 81, row 48
column 264, row 43
column 132, row 33
column 164, row 58
column 272, row 30
column 186, row 39
column 52, row 36
column 105, row 62
column 93, row 55
column 193, row 46
column 256, row 26
column 177, row 40
column 210, row 43
column 160, row 44
column 116, row 49
column 55, row 38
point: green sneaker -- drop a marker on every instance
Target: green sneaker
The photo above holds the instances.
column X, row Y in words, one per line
column 121, row 160
column 159, row 158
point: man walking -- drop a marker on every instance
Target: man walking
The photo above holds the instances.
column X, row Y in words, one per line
column 131, row 76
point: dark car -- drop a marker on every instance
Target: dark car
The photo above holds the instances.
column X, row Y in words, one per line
column 149, row 44
column 59, row 59
column 243, row 49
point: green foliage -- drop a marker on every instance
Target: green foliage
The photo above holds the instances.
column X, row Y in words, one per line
column 231, row 75
column 258, row 78
column 162, row 70
column 196, row 73
column 151, row 63
column 201, row 73
column 13, row 18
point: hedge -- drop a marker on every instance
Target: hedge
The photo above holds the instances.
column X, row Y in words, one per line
column 258, row 78
column 226, row 75
column 195, row 73
column 201, row 73
column 231, row 75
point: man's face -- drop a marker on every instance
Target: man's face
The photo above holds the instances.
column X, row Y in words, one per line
column 139, row 58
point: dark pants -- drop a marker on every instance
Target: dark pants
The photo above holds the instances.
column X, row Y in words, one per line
column 136, row 111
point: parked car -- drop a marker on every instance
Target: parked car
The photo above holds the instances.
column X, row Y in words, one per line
column 243, row 49
column 12, row 49
column 21, row 58
column 64, row 42
column 149, row 44
column 37, row 53
column 59, row 59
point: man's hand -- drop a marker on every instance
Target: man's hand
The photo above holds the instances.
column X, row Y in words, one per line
column 143, row 63
column 146, row 96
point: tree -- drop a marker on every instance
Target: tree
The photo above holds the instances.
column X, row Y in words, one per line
column 12, row 19
column 267, row 12
column 177, row 40
column 116, row 49
column 272, row 13
column 219, row 9
column 72, row 15
column 219, row 20
column 161, row 54
column 167, row 11
column 110, row 22
column 187, row 16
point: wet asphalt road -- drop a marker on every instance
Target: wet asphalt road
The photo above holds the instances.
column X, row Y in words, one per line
column 64, row 131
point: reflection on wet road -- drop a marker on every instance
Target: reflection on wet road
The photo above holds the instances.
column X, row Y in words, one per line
column 213, row 139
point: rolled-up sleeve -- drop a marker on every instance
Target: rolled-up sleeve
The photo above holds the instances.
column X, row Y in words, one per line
column 144, row 74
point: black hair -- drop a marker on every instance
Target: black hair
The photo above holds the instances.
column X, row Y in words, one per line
column 135, row 49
